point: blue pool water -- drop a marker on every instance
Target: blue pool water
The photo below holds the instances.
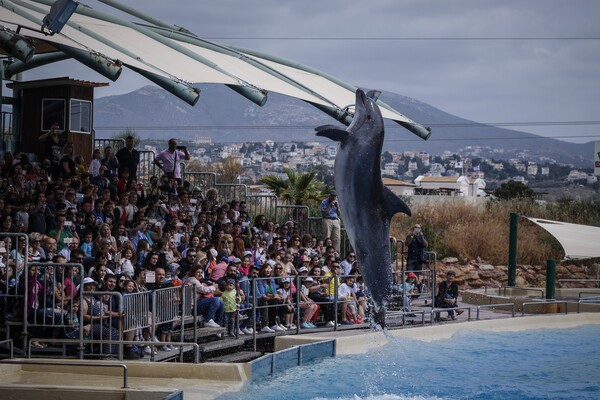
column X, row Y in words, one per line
column 528, row 365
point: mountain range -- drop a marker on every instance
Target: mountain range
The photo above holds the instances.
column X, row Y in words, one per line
column 225, row 116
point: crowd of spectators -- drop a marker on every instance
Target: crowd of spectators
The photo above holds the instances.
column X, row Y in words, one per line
column 101, row 217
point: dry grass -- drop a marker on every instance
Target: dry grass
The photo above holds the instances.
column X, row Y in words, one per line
column 467, row 231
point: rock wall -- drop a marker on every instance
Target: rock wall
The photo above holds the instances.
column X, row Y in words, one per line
column 476, row 274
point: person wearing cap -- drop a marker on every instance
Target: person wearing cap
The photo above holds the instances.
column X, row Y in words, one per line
column 286, row 310
column 447, row 296
column 416, row 243
column 95, row 314
column 407, row 288
column 307, row 305
column 330, row 210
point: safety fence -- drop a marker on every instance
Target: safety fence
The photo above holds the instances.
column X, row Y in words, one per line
column 47, row 304
column 257, row 204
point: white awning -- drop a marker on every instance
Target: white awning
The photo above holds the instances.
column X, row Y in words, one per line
column 184, row 58
column 578, row 241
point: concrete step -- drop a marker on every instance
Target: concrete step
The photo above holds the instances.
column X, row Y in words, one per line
column 201, row 333
column 223, row 344
column 239, row 357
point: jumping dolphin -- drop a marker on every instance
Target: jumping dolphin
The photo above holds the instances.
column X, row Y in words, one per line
column 367, row 207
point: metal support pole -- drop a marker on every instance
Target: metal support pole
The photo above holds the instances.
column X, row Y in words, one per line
column 550, row 279
column 512, row 249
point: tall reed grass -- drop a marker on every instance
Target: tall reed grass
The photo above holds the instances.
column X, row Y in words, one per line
column 459, row 229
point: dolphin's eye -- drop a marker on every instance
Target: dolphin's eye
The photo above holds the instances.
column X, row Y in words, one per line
column 368, row 117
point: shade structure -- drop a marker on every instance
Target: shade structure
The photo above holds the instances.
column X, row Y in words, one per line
column 156, row 51
column 578, row 241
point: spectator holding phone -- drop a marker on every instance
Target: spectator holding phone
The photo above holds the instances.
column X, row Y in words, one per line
column 169, row 160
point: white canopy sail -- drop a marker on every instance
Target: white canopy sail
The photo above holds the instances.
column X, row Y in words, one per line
column 172, row 58
column 578, row 241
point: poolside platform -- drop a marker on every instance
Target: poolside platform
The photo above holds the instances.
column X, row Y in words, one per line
column 151, row 381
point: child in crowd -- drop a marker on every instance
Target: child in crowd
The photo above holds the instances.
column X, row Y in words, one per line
column 285, row 291
column 88, row 243
column 231, row 300
column 125, row 264
column 347, row 297
column 407, row 290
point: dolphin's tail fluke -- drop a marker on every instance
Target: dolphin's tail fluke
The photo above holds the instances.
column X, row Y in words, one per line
column 379, row 317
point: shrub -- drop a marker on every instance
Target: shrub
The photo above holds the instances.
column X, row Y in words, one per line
column 457, row 228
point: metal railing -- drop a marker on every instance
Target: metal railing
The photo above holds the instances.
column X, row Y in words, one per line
column 589, row 301
column 493, row 306
column 502, row 290
column 264, row 204
column 437, row 310
column 543, row 303
column 74, row 364
column 596, row 294
column 580, row 281
column 116, row 144
column 10, row 346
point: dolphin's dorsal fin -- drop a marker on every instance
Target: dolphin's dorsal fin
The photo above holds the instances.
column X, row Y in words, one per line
column 394, row 204
column 332, row 132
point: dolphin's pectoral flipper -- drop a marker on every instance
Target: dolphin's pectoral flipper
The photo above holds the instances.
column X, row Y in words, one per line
column 332, row 132
column 394, row 204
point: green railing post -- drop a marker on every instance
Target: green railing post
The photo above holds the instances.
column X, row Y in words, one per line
column 550, row 279
column 512, row 249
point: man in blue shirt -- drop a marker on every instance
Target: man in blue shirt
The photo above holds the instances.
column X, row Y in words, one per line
column 330, row 210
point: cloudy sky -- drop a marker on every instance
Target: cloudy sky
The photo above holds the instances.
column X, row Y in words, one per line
column 490, row 61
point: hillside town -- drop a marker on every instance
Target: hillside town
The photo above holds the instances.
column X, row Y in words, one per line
column 473, row 171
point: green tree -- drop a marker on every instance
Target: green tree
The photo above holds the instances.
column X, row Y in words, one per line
column 297, row 189
column 514, row 190
column 230, row 171
column 128, row 132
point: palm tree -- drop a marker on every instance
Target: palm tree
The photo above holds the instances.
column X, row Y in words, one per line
column 298, row 189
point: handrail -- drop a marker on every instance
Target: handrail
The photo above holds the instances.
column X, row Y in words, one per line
column 74, row 364
column 10, row 342
column 538, row 303
column 136, row 342
column 438, row 310
column 520, row 288
column 511, row 305
column 589, row 300
column 586, row 292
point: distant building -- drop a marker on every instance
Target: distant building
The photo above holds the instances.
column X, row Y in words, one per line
column 444, row 185
column 532, row 169
column 576, row 175
column 399, row 188
column 203, row 140
column 477, row 187
column 390, row 169
column 545, row 171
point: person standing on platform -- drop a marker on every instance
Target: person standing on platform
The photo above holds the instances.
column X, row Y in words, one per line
column 416, row 243
column 53, row 141
column 169, row 160
column 129, row 158
column 330, row 210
